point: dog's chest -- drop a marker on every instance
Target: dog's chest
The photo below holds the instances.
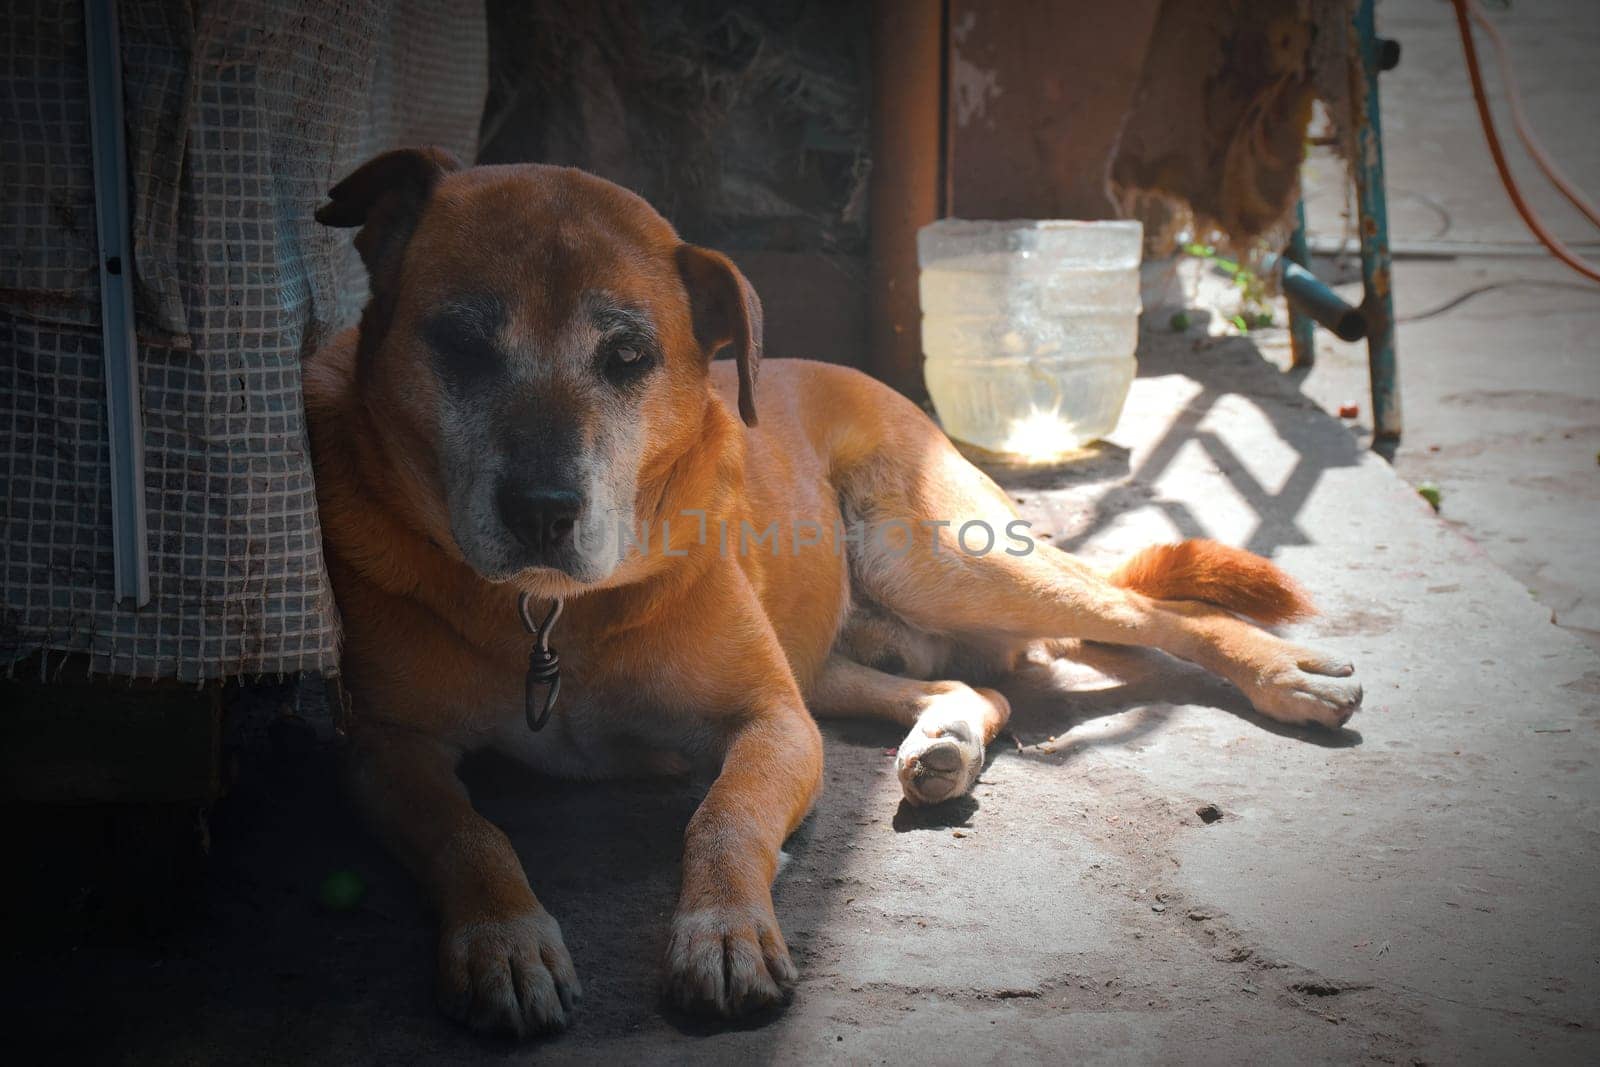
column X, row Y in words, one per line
column 599, row 728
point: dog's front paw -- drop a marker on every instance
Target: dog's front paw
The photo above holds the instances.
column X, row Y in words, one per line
column 728, row 961
column 1308, row 687
column 507, row 975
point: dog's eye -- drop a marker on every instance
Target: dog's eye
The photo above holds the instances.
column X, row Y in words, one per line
column 626, row 361
column 461, row 337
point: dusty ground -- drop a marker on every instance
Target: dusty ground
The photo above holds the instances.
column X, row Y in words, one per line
column 1421, row 886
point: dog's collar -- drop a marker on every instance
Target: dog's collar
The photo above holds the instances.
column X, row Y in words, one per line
column 544, row 666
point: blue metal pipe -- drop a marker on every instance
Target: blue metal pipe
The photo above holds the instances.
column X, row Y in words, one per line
column 1310, row 299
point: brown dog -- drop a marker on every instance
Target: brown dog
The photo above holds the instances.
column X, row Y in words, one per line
column 529, row 406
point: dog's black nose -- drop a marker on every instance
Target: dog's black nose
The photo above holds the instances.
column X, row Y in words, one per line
column 542, row 519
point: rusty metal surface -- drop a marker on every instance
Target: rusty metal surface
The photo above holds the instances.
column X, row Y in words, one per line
column 1037, row 99
column 907, row 64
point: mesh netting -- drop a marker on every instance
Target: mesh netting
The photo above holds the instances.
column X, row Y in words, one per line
column 239, row 117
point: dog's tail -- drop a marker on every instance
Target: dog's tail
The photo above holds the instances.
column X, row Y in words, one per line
column 1229, row 578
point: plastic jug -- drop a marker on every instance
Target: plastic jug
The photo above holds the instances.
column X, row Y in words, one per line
column 1029, row 328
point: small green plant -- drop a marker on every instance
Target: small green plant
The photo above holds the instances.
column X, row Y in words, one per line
column 1255, row 306
column 342, row 890
column 1179, row 321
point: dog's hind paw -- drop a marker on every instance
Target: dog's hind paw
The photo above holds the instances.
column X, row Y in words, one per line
column 507, row 976
column 1314, row 688
column 941, row 758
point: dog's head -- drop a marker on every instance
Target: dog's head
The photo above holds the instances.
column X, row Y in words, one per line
column 539, row 339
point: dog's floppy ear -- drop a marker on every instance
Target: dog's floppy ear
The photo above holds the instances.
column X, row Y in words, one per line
column 725, row 311
column 385, row 196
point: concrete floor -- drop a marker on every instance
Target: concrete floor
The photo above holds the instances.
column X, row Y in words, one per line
column 1501, row 391
column 1420, row 887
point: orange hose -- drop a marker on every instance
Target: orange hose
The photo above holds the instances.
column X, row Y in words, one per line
column 1546, row 238
column 1519, row 119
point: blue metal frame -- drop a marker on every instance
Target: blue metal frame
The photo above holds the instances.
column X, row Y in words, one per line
column 124, row 422
column 1302, row 330
column 1311, row 302
column 1377, row 275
